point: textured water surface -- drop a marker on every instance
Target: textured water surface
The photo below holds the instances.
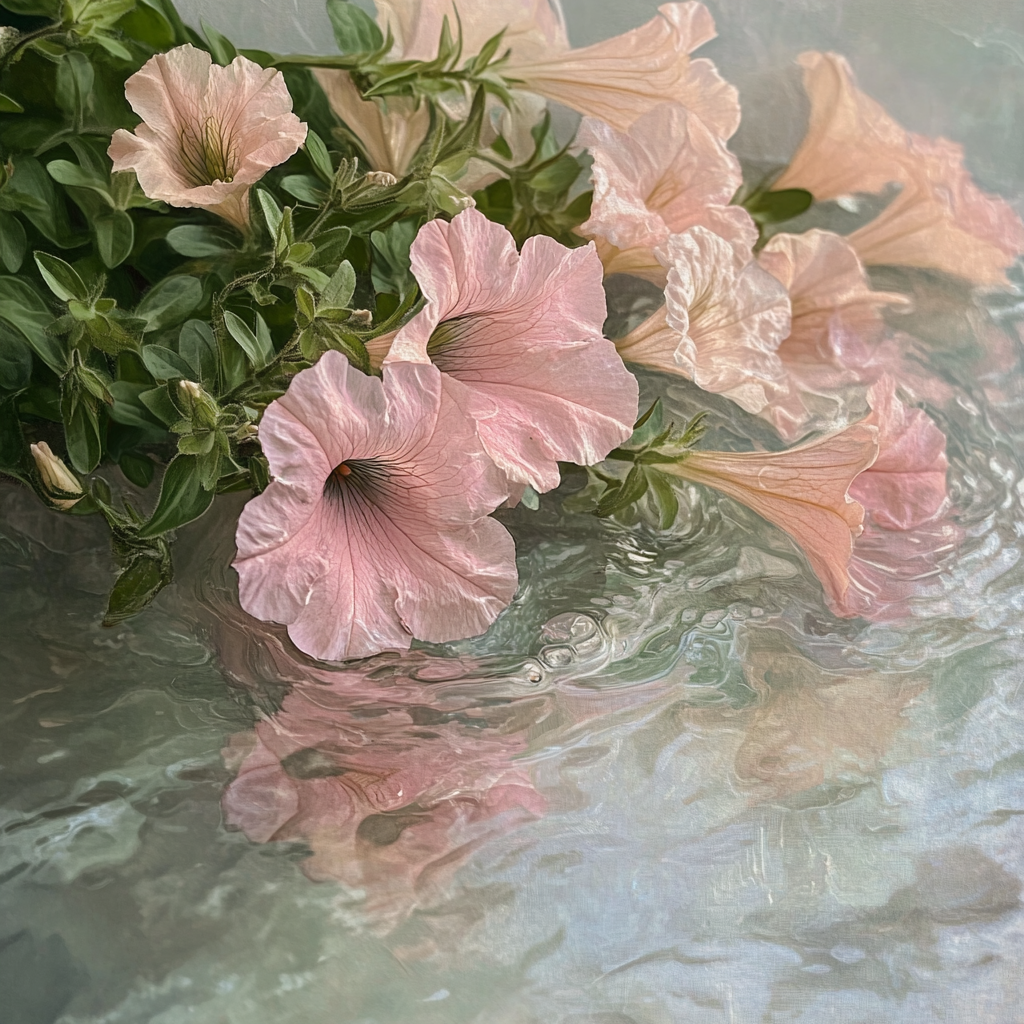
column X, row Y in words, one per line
column 667, row 786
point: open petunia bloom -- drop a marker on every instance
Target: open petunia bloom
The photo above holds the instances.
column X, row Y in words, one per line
column 208, row 132
column 723, row 320
column 667, row 173
column 390, row 131
column 616, row 80
column 518, row 340
column 804, row 491
column 940, row 220
column 374, row 529
column 832, row 301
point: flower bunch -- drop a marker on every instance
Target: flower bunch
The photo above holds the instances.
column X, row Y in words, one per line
column 370, row 289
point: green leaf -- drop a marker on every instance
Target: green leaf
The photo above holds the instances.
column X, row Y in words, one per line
column 271, row 211
column 776, row 207
column 170, row 302
column 36, row 196
column 530, row 499
column 15, row 360
column 149, row 25
column 304, row 187
column 75, row 78
column 67, row 173
column 664, row 497
column 199, row 240
column 165, row 364
column 13, row 242
column 137, row 468
column 159, row 403
column 115, row 236
column 391, row 267
column 257, row 346
column 221, row 48
column 130, row 411
column 8, row 105
column 61, row 278
column 319, row 157
column 354, row 30
column 197, row 344
column 338, row 293
column 14, row 457
column 112, row 45
column 632, row 490
column 143, row 578
column 46, row 8
column 182, row 497
column 24, row 309
column 82, row 432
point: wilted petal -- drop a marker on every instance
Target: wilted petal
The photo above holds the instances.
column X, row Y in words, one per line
column 519, row 338
column 803, row 491
column 374, row 529
column 622, row 78
column 831, row 301
column 208, row 132
column 390, row 132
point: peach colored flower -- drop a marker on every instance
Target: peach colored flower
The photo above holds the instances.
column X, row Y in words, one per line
column 390, row 131
column 616, row 80
column 831, row 301
column 207, row 132
column 374, row 529
column 804, row 491
column 518, row 339
column 667, row 173
column 723, row 320
column 940, row 220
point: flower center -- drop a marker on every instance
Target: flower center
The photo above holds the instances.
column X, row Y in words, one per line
column 448, row 331
column 360, row 475
column 207, row 153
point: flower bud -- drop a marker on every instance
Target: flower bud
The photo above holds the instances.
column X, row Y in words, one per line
column 382, row 179
column 361, row 317
column 56, row 477
column 203, row 410
column 8, row 37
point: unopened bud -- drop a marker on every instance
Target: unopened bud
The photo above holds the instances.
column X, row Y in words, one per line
column 248, row 431
column 8, row 37
column 190, row 389
column 56, row 477
column 383, row 179
column 361, row 317
column 203, row 409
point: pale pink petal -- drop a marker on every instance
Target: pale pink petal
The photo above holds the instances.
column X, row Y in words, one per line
column 520, row 338
column 168, row 91
column 803, row 491
column 622, row 78
column 390, row 131
column 401, row 547
column 725, row 314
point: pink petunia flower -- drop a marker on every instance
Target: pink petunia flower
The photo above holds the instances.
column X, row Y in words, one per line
column 518, row 339
column 723, row 320
column 208, row 132
column 940, row 220
column 804, row 491
column 616, row 80
column 832, row 304
column 669, row 172
column 390, row 131
column 374, row 529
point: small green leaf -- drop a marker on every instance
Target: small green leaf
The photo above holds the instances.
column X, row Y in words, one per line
column 319, row 157
column 143, row 578
column 632, row 490
column 530, row 499
column 61, row 278
column 115, row 236
column 338, row 293
column 170, row 302
column 257, row 346
column 165, row 364
column 271, row 211
column 13, row 242
column 776, row 207
column 354, row 30
column 74, row 84
column 182, row 497
column 304, row 187
column 15, row 359
column 137, row 468
column 9, row 105
column 197, row 240
column 198, row 345
column 664, row 497
column 159, row 403
column 24, row 309
column 82, row 433
column 221, row 48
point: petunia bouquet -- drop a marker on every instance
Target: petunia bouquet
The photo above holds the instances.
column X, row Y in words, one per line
column 370, row 289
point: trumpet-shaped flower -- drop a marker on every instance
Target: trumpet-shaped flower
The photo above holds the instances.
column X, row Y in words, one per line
column 940, row 220
column 374, row 529
column 723, row 320
column 207, row 132
column 831, row 301
column 518, row 339
column 616, row 80
column 803, row 491
column 390, row 132
column 667, row 173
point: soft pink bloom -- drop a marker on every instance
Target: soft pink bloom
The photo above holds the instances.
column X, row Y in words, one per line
column 832, row 302
column 723, row 320
column 374, row 529
column 207, row 132
column 616, row 80
column 940, row 220
column 390, row 131
column 667, row 173
column 518, row 339
column 390, row 790
column 804, row 491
